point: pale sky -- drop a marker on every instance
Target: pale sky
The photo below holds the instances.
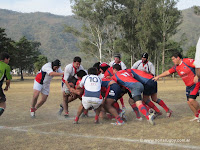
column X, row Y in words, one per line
column 62, row 7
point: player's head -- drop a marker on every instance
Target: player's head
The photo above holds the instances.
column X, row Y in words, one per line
column 5, row 57
column 81, row 74
column 145, row 57
column 97, row 65
column 177, row 58
column 116, row 68
column 77, row 62
column 104, row 67
column 56, row 64
column 93, row 71
column 117, row 57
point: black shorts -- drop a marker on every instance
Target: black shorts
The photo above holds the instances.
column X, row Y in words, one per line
column 150, row 87
column 114, row 92
column 2, row 96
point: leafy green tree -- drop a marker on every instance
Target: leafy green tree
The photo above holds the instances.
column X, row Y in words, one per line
column 197, row 10
column 191, row 52
column 6, row 45
column 41, row 60
column 26, row 54
column 169, row 18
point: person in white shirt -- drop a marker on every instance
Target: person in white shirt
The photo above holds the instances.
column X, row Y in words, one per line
column 117, row 60
column 197, row 59
column 144, row 65
column 42, row 83
column 92, row 94
column 70, row 71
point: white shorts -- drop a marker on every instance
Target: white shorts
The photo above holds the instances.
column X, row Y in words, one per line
column 43, row 88
column 91, row 102
column 64, row 88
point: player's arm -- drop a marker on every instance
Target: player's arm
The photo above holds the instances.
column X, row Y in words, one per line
column 56, row 73
column 164, row 74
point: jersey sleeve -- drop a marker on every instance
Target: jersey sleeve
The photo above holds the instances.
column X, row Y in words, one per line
column 172, row 70
column 189, row 62
column 60, row 70
column 67, row 72
column 135, row 65
column 47, row 68
column 123, row 66
column 8, row 73
column 82, row 81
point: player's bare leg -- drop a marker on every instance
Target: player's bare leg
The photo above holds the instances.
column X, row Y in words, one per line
column 109, row 106
column 36, row 94
column 42, row 101
column 80, row 110
column 97, row 112
column 65, row 104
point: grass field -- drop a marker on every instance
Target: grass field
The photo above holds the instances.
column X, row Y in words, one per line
column 50, row 131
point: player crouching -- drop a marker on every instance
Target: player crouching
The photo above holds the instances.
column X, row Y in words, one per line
column 92, row 94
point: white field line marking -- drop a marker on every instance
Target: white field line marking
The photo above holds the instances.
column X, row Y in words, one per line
column 100, row 137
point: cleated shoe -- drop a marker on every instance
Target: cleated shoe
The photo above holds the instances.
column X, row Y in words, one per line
column 33, row 112
column 151, row 119
column 169, row 113
column 139, row 119
column 66, row 115
column 157, row 114
column 122, row 113
column 194, row 119
column 118, row 123
column 61, row 110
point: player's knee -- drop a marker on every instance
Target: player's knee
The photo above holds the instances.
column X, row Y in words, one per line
column 1, row 111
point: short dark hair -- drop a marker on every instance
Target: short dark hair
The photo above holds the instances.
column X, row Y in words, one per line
column 4, row 55
column 177, row 54
column 81, row 73
column 93, row 71
column 117, row 67
column 97, row 65
column 104, row 66
column 117, row 55
column 77, row 59
column 56, row 63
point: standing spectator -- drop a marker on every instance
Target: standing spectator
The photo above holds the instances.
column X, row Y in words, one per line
column 42, row 83
column 197, row 58
column 4, row 73
column 117, row 60
column 144, row 65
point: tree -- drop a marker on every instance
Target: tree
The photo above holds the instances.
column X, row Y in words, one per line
column 191, row 52
column 168, row 20
column 26, row 54
column 197, row 10
column 41, row 60
column 6, row 45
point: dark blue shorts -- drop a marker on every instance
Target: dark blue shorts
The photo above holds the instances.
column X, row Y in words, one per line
column 150, row 87
column 113, row 92
column 193, row 91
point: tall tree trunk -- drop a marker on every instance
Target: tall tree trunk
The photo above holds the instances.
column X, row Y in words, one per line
column 163, row 53
column 21, row 72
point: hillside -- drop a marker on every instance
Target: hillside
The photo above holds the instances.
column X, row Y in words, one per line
column 48, row 29
column 190, row 26
column 42, row 27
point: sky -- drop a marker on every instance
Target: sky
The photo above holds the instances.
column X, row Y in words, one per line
column 62, row 7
